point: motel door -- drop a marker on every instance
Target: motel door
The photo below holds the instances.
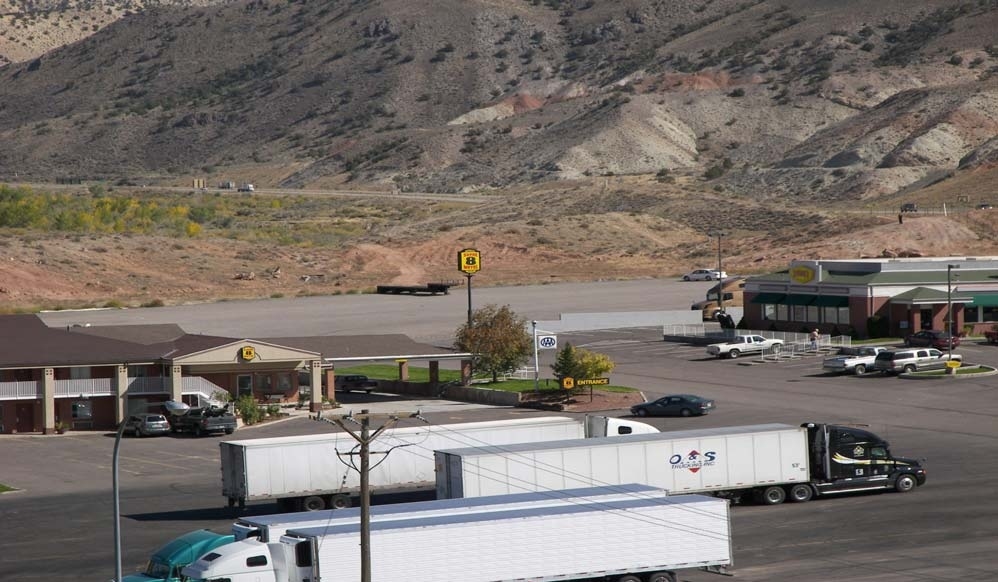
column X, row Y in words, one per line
column 25, row 417
column 926, row 318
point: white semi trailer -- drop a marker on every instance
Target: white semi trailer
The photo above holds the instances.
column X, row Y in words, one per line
column 770, row 461
column 313, row 472
column 649, row 536
column 270, row 528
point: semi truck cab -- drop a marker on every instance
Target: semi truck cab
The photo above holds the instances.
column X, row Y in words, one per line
column 166, row 563
column 845, row 459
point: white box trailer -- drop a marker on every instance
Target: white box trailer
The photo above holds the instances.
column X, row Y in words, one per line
column 647, row 537
column 773, row 462
column 270, row 528
column 737, row 458
column 312, row 472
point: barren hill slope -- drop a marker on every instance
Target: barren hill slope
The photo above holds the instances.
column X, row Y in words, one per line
column 826, row 100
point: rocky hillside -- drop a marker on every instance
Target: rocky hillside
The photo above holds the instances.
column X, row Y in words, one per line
column 790, row 100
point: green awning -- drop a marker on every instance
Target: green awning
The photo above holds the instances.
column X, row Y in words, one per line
column 798, row 299
column 988, row 299
column 831, row 301
column 769, row 298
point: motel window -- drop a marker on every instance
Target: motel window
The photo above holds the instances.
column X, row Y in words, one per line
column 990, row 313
column 812, row 313
column 782, row 313
column 769, row 312
column 799, row 313
column 972, row 314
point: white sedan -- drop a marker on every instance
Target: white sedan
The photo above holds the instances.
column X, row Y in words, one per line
column 704, row 275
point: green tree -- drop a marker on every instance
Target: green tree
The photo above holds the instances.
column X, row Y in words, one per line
column 564, row 363
column 497, row 338
column 592, row 364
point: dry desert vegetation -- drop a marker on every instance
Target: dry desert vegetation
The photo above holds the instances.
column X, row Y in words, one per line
column 280, row 246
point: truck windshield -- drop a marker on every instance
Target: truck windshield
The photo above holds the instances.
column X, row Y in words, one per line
column 158, row 569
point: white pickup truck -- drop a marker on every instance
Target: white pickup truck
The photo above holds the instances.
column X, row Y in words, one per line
column 852, row 360
column 742, row 344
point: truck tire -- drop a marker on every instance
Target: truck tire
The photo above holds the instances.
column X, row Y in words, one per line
column 859, row 370
column 909, row 368
column 734, row 353
column 198, row 432
column 313, row 503
column 905, row 483
column 801, row 493
column 662, row 577
column 774, row 495
column 628, row 578
column 341, row 501
column 230, row 430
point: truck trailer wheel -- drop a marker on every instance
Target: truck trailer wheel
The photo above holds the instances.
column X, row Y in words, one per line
column 662, row 577
column 628, row 578
column 341, row 501
column 774, row 495
column 905, row 483
column 313, row 503
column 801, row 492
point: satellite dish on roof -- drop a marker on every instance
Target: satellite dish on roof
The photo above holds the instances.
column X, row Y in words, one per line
column 176, row 408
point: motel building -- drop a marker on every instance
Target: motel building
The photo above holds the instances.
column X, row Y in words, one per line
column 876, row 297
column 90, row 377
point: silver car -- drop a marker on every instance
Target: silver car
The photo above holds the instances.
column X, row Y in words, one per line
column 704, row 275
column 142, row 425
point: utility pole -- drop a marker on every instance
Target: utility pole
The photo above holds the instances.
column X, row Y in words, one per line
column 720, row 272
column 365, row 438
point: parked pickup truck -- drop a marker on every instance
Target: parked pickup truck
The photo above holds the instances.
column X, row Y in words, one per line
column 853, row 360
column 742, row 344
column 349, row 382
column 991, row 336
column 202, row 421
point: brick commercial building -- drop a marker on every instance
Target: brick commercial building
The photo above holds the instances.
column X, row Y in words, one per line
column 878, row 297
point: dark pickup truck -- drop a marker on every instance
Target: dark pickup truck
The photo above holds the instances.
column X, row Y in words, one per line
column 349, row 382
column 202, row 421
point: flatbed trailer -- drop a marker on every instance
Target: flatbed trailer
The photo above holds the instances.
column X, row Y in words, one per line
column 429, row 289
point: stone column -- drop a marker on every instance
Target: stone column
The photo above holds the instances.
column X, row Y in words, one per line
column 403, row 370
column 121, row 394
column 176, row 383
column 465, row 372
column 48, row 401
column 434, row 372
column 315, row 400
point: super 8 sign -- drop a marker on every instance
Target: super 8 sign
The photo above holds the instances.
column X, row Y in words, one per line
column 469, row 261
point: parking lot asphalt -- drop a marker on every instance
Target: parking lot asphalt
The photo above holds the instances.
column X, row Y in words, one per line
column 60, row 524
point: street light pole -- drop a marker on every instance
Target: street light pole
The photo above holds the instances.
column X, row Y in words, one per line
column 720, row 272
column 537, row 368
column 117, row 505
column 949, row 307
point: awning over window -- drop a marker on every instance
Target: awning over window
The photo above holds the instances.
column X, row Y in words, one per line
column 800, row 299
column 831, row 301
column 769, row 298
column 983, row 299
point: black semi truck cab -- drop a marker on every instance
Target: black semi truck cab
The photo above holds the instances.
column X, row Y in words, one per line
column 845, row 458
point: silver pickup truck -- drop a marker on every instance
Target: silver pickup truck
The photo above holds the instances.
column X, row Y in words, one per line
column 853, row 360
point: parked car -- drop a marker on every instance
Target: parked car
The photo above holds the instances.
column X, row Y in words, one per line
column 932, row 338
column 202, row 421
column 349, row 382
column 676, row 405
column 912, row 360
column 984, row 206
column 704, row 275
column 142, row 425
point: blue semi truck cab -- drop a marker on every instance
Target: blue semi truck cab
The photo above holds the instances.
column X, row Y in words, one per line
column 166, row 562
